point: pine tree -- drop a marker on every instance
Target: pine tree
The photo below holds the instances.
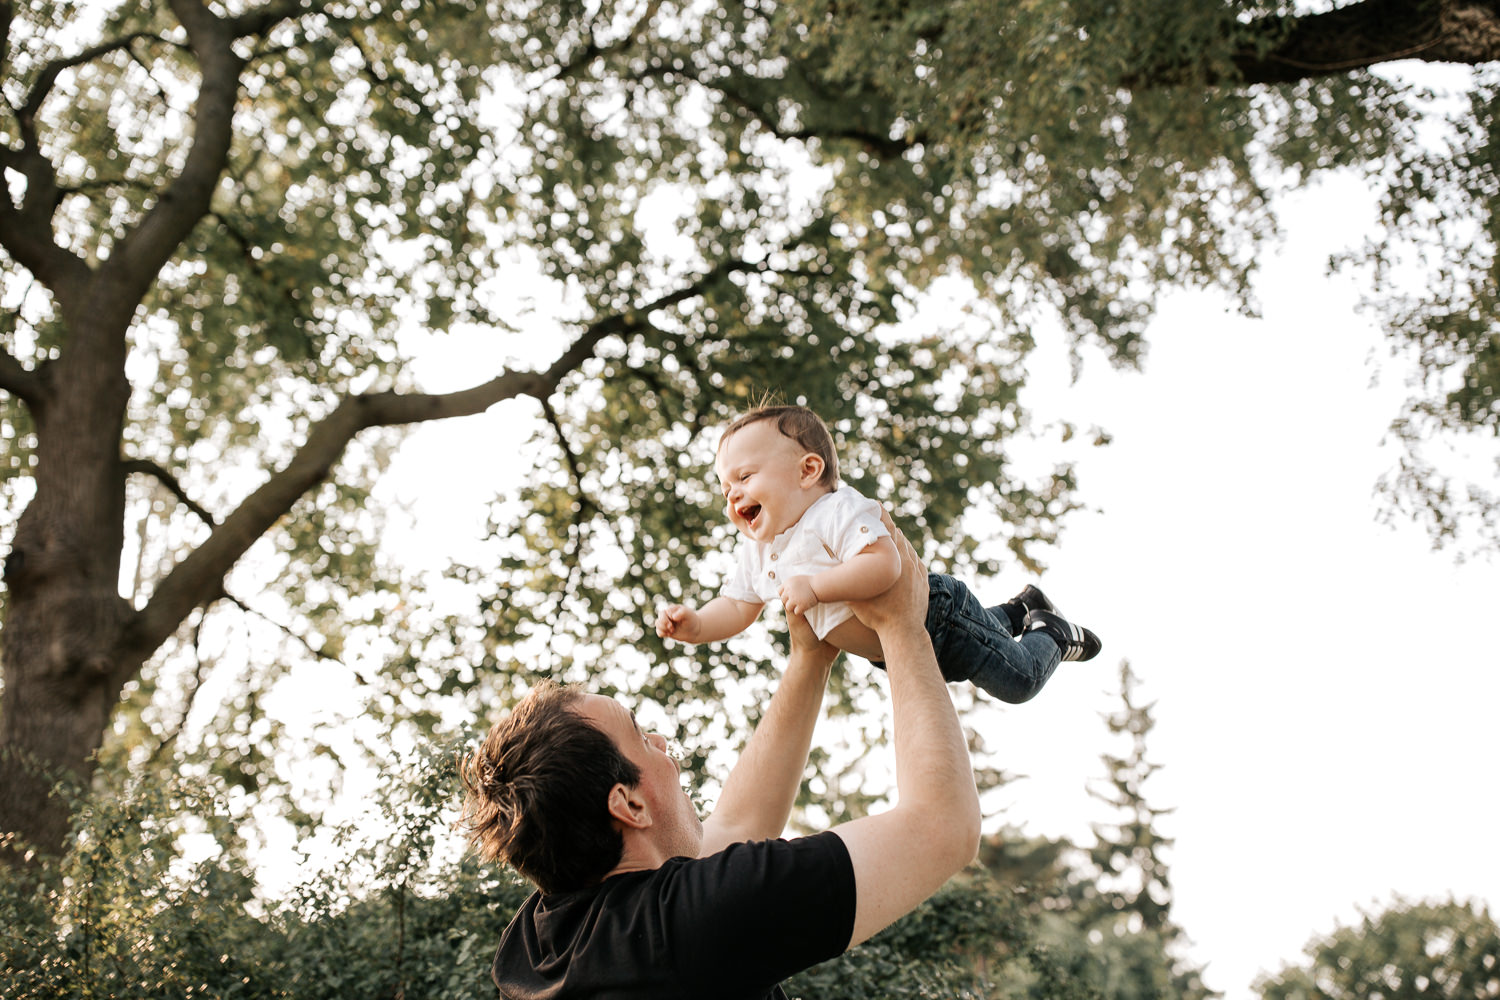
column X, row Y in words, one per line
column 1126, row 904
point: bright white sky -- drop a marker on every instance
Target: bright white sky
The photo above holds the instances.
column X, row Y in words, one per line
column 1325, row 686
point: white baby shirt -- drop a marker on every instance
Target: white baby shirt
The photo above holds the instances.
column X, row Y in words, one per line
column 837, row 527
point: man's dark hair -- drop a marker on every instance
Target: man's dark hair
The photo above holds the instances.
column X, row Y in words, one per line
column 536, row 792
column 801, row 425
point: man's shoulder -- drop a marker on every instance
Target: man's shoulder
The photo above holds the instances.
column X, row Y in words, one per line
column 742, row 918
column 748, row 860
column 757, row 861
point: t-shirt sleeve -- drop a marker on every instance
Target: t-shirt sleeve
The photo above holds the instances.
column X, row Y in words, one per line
column 738, row 586
column 858, row 524
column 756, row 913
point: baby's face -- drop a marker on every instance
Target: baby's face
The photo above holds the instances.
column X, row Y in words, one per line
column 767, row 481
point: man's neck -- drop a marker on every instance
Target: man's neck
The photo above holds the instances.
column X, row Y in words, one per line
column 642, row 854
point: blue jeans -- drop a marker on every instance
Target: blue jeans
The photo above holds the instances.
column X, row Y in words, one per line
column 975, row 644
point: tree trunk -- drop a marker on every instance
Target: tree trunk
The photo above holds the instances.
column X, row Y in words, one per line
column 70, row 642
column 65, row 616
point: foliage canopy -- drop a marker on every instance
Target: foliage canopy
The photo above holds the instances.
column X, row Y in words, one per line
column 1411, row 949
column 397, row 913
column 221, row 222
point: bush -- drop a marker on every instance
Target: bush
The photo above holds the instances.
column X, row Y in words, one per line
column 123, row 914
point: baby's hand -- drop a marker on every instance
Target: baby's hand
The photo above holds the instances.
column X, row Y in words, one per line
column 797, row 594
column 679, row 622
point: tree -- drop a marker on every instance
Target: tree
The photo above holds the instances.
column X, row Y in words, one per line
column 1039, row 918
column 395, row 913
column 1449, row 950
column 1128, row 853
column 249, row 262
column 1126, row 897
column 219, row 218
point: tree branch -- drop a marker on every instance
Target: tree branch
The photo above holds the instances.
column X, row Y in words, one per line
column 550, row 415
column 1350, row 37
column 1285, row 49
column 19, row 381
column 50, row 73
column 260, row 20
column 26, row 231
column 101, row 184
column 189, row 696
column 880, row 143
column 593, row 50
column 202, row 571
column 146, row 248
column 7, row 14
column 147, row 467
column 286, row 630
column 186, row 200
column 581, row 515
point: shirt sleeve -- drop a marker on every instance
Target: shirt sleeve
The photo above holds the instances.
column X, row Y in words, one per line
column 739, row 585
column 857, row 525
column 756, row 913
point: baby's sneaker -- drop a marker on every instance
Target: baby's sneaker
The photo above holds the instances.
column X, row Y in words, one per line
column 1076, row 642
column 1017, row 608
column 1032, row 599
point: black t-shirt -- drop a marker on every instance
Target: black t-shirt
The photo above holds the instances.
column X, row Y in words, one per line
column 726, row 927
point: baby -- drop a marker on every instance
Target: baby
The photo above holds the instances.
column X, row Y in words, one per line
column 815, row 545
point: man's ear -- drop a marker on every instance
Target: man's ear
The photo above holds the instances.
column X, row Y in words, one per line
column 812, row 469
column 628, row 808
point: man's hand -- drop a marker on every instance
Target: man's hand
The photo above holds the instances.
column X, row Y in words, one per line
column 805, row 642
column 798, row 596
column 906, row 600
column 680, row 622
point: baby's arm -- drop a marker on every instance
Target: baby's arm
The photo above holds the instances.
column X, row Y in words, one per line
column 859, row 578
column 719, row 619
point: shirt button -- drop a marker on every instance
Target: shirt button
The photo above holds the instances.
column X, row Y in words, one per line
column 773, row 556
column 772, row 574
column 864, row 527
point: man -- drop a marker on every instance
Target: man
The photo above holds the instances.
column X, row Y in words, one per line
column 637, row 898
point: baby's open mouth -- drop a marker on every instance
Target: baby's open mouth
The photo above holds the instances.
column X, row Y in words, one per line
column 750, row 513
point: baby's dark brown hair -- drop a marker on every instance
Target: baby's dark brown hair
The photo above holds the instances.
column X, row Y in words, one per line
column 801, row 425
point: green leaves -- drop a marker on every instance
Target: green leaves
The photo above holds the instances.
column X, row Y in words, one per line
column 1412, row 949
column 132, row 911
column 626, row 517
column 1442, row 320
column 785, row 182
column 384, row 904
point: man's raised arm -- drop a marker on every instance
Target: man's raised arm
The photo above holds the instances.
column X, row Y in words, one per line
column 905, row 855
column 762, row 787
